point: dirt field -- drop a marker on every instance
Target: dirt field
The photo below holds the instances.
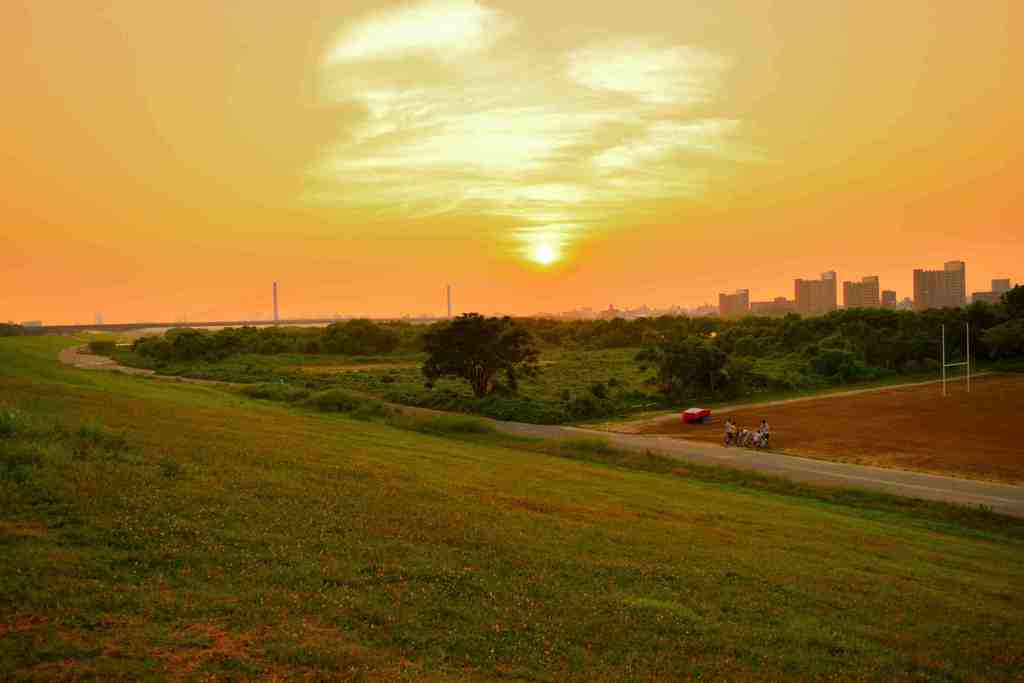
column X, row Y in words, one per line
column 980, row 434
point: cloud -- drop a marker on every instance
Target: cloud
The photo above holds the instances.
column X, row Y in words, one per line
column 446, row 28
column 664, row 138
column 511, row 135
column 680, row 74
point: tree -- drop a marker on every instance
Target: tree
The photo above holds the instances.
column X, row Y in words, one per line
column 1013, row 302
column 477, row 349
column 688, row 366
column 359, row 337
column 1006, row 340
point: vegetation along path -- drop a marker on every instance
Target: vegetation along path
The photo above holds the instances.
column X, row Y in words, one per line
column 1004, row 498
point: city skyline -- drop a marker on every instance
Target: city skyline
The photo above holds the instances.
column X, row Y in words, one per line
column 865, row 293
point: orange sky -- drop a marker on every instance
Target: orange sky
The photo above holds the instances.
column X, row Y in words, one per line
column 163, row 160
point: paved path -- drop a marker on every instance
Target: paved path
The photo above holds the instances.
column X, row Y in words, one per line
column 1004, row 498
column 80, row 357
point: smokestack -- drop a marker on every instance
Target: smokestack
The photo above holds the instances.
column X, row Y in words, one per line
column 449, row 302
column 275, row 304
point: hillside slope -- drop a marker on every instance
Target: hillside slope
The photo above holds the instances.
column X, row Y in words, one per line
column 158, row 530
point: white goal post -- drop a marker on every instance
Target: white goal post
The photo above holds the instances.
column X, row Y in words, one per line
column 967, row 355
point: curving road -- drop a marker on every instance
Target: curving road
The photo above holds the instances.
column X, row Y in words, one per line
column 1004, row 498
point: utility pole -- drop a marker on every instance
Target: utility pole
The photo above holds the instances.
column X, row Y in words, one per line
column 275, row 304
column 449, row 302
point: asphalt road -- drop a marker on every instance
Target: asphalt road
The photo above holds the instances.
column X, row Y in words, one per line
column 1004, row 498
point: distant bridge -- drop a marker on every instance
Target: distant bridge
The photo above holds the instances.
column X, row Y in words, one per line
column 129, row 327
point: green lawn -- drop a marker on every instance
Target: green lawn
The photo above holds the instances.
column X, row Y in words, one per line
column 152, row 529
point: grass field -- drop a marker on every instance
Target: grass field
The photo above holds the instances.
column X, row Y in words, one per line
column 562, row 391
column 572, row 385
column 963, row 434
column 157, row 530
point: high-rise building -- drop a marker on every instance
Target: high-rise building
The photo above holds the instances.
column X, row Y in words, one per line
column 888, row 299
column 999, row 287
column 737, row 304
column 863, row 294
column 946, row 288
column 986, row 297
column 779, row 306
column 815, row 297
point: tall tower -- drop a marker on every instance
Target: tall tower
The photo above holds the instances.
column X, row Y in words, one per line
column 449, row 302
column 275, row 304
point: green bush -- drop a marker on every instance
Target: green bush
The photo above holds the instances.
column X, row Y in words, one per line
column 102, row 348
column 93, row 434
column 446, row 424
column 275, row 391
column 341, row 401
column 170, row 468
column 17, row 461
column 588, row 407
column 11, row 422
column 359, row 337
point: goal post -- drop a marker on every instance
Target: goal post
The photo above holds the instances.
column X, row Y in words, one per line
column 965, row 363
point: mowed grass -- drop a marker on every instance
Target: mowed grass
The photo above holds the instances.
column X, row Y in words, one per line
column 187, row 531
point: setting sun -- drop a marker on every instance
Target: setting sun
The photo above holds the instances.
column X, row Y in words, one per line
column 544, row 254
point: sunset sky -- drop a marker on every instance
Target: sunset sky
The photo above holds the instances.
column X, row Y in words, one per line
column 164, row 160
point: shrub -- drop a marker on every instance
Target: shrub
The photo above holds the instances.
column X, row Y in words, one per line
column 586, row 407
column 359, row 337
column 17, row 461
column 599, row 390
column 370, row 409
column 446, row 424
column 516, row 409
column 275, row 391
column 170, row 468
column 341, row 401
column 102, row 348
column 92, row 434
column 1006, row 340
column 11, row 422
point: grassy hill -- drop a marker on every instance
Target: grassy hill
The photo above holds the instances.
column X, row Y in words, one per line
column 150, row 529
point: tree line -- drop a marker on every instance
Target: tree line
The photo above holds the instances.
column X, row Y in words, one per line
column 353, row 337
column 698, row 358
column 704, row 358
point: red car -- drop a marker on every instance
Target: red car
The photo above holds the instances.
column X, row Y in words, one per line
column 696, row 415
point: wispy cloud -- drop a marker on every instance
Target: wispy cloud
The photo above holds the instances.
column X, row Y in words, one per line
column 679, row 74
column 552, row 143
column 663, row 138
column 446, row 28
